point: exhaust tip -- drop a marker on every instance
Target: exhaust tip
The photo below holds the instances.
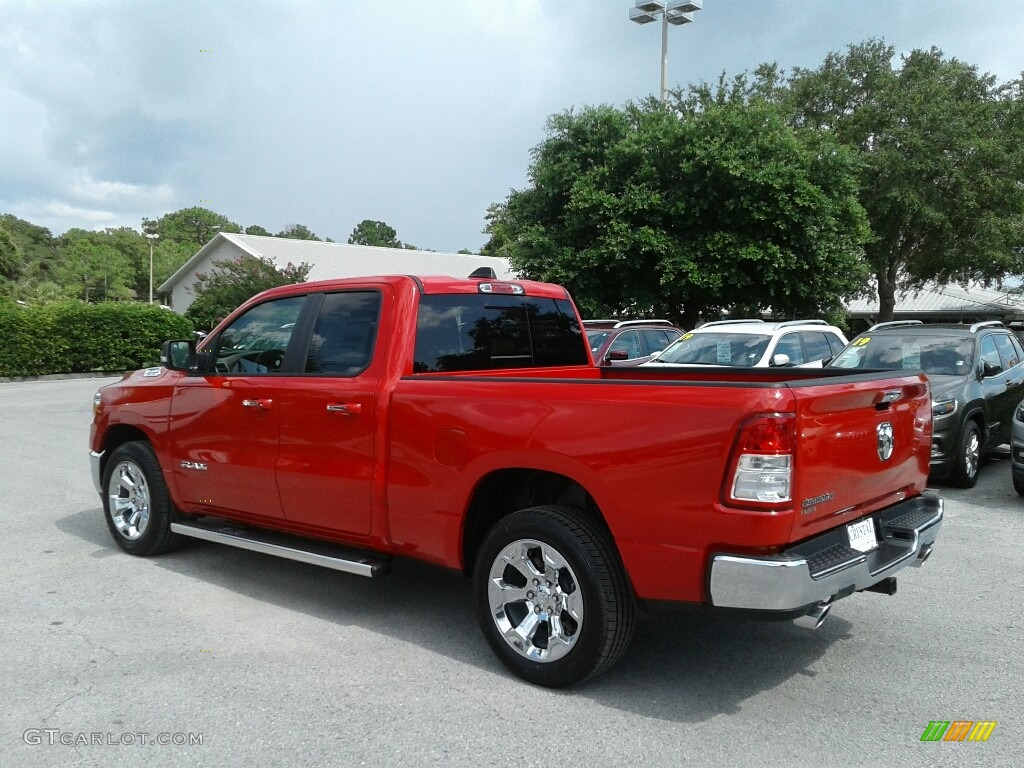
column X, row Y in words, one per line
column 923, row 555
column 815, row 618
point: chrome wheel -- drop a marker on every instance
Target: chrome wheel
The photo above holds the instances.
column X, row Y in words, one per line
column 972, row 454
column 128, row 492
column 535, row 600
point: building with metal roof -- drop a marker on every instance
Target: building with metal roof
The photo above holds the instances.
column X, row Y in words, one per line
column 943, row 303
column 328, row 260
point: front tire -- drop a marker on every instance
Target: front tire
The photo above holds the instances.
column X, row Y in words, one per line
column 968, row 457
column 136, row 502
column 1018, row 485
column 552, row 596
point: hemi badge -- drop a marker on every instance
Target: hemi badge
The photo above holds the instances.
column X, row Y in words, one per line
column 194, row 465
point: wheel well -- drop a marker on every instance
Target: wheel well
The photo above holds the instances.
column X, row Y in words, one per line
column 509, row 490
column 978, row 417
column 117, row 436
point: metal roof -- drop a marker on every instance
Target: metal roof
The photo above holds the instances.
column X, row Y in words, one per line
column 334, row 260
column 945, row 300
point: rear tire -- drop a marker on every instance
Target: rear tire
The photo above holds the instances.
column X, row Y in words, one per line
column 1018, row 485
column 136, row 501
column 552, row 596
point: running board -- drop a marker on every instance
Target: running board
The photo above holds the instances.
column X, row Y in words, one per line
column 312, row 551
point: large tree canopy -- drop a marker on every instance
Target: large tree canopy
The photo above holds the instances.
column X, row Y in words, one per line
column 193, row 225
column 942, row 161
column 645, row 210
column 369, row 232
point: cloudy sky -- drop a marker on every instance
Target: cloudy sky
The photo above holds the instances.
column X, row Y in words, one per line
column 420, row 113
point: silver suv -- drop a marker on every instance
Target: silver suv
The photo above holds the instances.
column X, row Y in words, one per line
column 756, row 344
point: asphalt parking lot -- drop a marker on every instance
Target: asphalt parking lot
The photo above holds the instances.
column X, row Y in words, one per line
column 271, row 662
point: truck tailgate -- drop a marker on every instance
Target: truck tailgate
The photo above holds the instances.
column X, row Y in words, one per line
column 859, row 448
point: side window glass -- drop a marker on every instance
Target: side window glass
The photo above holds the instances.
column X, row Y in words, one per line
column 492, row 331
column 835, row 343
column 1007, row 354
column 990, row 356
column 790, row 345
column 656, row 339
column 344, row 334
column 255, row 343
column 1017, row 348
column 816, row 346
column 628, row 342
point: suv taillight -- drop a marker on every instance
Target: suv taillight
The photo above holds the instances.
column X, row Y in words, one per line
column 762, row 461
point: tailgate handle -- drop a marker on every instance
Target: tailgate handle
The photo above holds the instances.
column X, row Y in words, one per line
column 263, row 403
column 349, row 409
column 888, row 396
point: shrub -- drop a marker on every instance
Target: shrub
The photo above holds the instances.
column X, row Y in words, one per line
column 71, row 337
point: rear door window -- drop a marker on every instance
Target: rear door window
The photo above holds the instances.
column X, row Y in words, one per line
column 816, row 346
column 344, row 334
column 1007, row 354
column 467, row 332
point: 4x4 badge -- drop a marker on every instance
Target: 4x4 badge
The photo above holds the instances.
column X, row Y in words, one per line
column 885, row 441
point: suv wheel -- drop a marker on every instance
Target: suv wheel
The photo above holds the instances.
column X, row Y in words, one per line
column 968, row 457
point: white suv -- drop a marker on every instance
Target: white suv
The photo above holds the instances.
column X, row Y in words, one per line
column 755, row 343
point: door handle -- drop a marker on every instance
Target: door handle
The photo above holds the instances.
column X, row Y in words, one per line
column 349, row 409
column 262, row 403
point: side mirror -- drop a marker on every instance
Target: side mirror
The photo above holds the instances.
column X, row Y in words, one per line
column 656, row 355
column 178, row 354
column 617, row 354
column 990, row 369
column 780, row 360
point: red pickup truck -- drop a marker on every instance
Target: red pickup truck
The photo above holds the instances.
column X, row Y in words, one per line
column 463, row 422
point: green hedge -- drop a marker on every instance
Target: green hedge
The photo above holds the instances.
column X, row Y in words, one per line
column 71, row 337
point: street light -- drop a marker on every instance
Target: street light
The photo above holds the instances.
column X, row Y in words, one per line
column 674, row 12
column 151, row 238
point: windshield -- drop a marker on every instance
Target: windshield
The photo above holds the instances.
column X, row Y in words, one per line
column 718, row 348
column 937, row 356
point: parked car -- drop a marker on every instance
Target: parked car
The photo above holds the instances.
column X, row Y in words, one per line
column 976, row 373
column 628, row 342
column 756, row 344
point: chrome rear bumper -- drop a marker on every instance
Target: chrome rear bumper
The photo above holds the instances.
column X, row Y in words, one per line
column 826, row 567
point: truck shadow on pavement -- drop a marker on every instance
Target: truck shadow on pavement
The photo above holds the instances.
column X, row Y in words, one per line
column 680, row 667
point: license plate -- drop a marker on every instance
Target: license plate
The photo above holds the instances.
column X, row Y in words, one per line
column 862, row 535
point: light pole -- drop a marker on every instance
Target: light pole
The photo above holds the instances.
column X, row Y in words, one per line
column 151, row 238
column 672, row 12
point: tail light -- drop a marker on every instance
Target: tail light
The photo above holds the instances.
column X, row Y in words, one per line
column 762, row 461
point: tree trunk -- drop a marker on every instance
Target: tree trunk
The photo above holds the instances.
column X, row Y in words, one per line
column 886, row 294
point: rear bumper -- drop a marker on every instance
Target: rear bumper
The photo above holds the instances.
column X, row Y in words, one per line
column 825, row 567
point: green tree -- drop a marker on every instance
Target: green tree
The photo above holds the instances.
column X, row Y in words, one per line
column 189, row 225
column 942, row 159
column 377, row 233
column 642, row 211
column 35, row 245
column 10, row 258
column 297, row 232
column 92, row 269
column 256, row 229
column 220, row 291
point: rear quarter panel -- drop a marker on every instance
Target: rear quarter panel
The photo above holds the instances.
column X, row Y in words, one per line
column 651, row 454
